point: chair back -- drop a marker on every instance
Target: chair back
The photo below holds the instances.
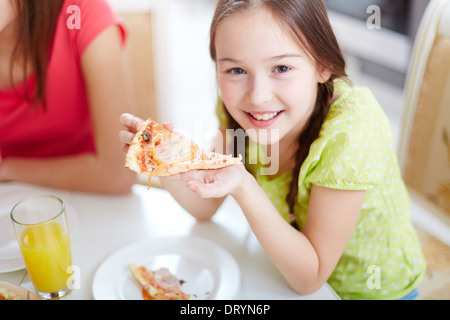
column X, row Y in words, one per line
column 424, row 148
column 140, row 56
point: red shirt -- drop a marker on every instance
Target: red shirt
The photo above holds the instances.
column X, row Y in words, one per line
column 65, row 126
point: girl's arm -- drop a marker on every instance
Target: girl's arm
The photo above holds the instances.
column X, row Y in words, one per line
column 103, row 67
column 201, row 208
column 305, row 259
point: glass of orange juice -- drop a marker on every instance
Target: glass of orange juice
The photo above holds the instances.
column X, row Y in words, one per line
column 40, row 224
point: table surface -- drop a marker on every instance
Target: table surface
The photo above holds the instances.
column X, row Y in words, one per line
column 104, row 224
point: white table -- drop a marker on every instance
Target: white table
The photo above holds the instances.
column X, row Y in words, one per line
column 107, row 223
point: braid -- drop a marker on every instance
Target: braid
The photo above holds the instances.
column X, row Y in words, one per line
column 307, row 137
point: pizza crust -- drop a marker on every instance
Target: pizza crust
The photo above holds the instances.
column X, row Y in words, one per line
column 6, row 294
column 171, row 169
column 9, row 291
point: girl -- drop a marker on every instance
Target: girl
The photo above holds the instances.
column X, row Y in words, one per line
column 336, row 209
column 62, row 84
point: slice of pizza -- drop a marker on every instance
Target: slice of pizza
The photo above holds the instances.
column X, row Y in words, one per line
column 158, row 285
column 156, row 151
column 6, row 294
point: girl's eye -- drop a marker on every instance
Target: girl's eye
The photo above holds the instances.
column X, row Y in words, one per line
column 282, row 69
column 237, row 71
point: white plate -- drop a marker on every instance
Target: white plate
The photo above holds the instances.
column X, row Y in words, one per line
column 10, row 256
column 209, row 271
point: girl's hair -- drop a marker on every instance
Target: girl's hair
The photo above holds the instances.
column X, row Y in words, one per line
column 308, row 21
column 36, row 27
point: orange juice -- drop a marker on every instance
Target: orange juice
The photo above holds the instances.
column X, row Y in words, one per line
column 46, row 251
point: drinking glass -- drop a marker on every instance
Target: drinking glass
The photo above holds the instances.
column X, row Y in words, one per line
column 40, row 224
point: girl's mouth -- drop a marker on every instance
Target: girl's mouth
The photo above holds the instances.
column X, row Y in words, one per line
column 263, row 120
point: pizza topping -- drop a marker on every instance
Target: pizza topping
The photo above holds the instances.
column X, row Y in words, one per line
column 158, row 285
column 166, row 279
column 147, row 136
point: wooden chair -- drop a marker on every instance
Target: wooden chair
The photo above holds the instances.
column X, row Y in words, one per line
column 141, row 60
column 145, row 22
column 142, row 56
column 424, row 149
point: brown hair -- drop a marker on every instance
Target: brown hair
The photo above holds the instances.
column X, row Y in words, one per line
column 308, row 21
column 36, row 20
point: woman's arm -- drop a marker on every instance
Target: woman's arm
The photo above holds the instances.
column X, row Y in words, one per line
column 306, row 259
column 104, row 69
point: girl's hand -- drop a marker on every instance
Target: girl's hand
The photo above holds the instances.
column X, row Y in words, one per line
column 216, row 183
column 133, row 124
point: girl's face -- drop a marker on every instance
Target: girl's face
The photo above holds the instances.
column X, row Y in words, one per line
column 267, row 81
column 7, row 14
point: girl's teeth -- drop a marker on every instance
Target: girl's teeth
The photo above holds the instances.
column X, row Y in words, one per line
column 264, row 117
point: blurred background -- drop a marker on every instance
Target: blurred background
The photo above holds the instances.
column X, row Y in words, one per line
column 175, row 77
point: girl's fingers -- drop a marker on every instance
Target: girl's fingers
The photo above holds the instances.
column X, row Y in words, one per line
column 168, row 126
column 126, row 136
column 130, row 121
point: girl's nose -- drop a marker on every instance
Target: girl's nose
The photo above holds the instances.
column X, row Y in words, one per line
column 259, row 91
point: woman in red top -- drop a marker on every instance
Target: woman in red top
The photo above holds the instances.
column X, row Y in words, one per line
column 62, row 88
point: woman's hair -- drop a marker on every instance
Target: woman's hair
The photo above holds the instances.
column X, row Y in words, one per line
column 308, row 22
column 36, row 27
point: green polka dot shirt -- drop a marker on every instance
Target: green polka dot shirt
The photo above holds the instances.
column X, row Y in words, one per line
column 354, row 151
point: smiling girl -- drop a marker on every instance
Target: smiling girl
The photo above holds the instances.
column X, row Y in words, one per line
column 336, row 210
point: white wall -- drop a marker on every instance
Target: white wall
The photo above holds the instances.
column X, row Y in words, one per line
column 132, row 5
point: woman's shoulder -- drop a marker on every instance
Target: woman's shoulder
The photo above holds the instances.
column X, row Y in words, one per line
column 83, row 20
column 88, row 5
column 83, row 15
